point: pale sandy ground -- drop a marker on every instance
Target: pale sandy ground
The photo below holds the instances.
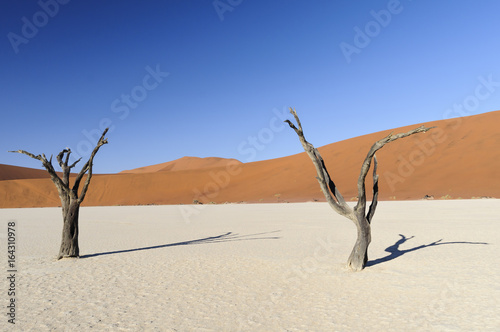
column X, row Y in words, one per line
column 262, row 267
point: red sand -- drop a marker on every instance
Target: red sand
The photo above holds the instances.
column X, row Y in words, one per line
column 8, row 172
column 458, row 159
column 184, row 163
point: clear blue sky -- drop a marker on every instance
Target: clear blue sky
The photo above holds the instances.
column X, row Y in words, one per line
column 232, row 72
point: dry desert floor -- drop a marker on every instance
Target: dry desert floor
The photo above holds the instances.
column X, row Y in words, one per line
column 433, row 266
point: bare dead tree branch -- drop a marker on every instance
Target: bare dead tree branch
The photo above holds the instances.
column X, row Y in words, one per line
column 67, row 158
column 332, row 195
column 76, row 162
column 373, row 205
column 64, row 165
column 89, row 165
column 61, row 186
column 361, row 206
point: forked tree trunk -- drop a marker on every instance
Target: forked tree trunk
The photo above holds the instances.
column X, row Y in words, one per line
column 69, row 242
column 362, row 219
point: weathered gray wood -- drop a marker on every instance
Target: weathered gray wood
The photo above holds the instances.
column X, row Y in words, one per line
column 362, row 220
column 328, row 187
column 70, row 199
column 69, row 241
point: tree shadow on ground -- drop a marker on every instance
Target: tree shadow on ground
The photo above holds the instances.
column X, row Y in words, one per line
column 226, row 237
column 395, row 252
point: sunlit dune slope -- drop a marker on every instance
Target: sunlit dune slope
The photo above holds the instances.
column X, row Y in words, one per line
column 458, row 159
column 184, row 163
column 8, row 172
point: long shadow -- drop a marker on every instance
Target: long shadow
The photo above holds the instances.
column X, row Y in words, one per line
column 395, row 252
column 226, row 237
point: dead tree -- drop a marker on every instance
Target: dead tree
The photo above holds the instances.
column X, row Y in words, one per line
column 362, row 219
column 70, row 197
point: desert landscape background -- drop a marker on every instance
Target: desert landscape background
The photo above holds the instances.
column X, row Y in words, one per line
column 170, row 265
column 458, row 159
column 204, row 212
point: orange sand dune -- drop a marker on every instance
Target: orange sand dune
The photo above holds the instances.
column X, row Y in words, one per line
column 458, row 159
column 8, row 172
column 184, row 163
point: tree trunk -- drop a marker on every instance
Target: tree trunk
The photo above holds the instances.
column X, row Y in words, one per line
column 359, row 255
column 69, row 243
